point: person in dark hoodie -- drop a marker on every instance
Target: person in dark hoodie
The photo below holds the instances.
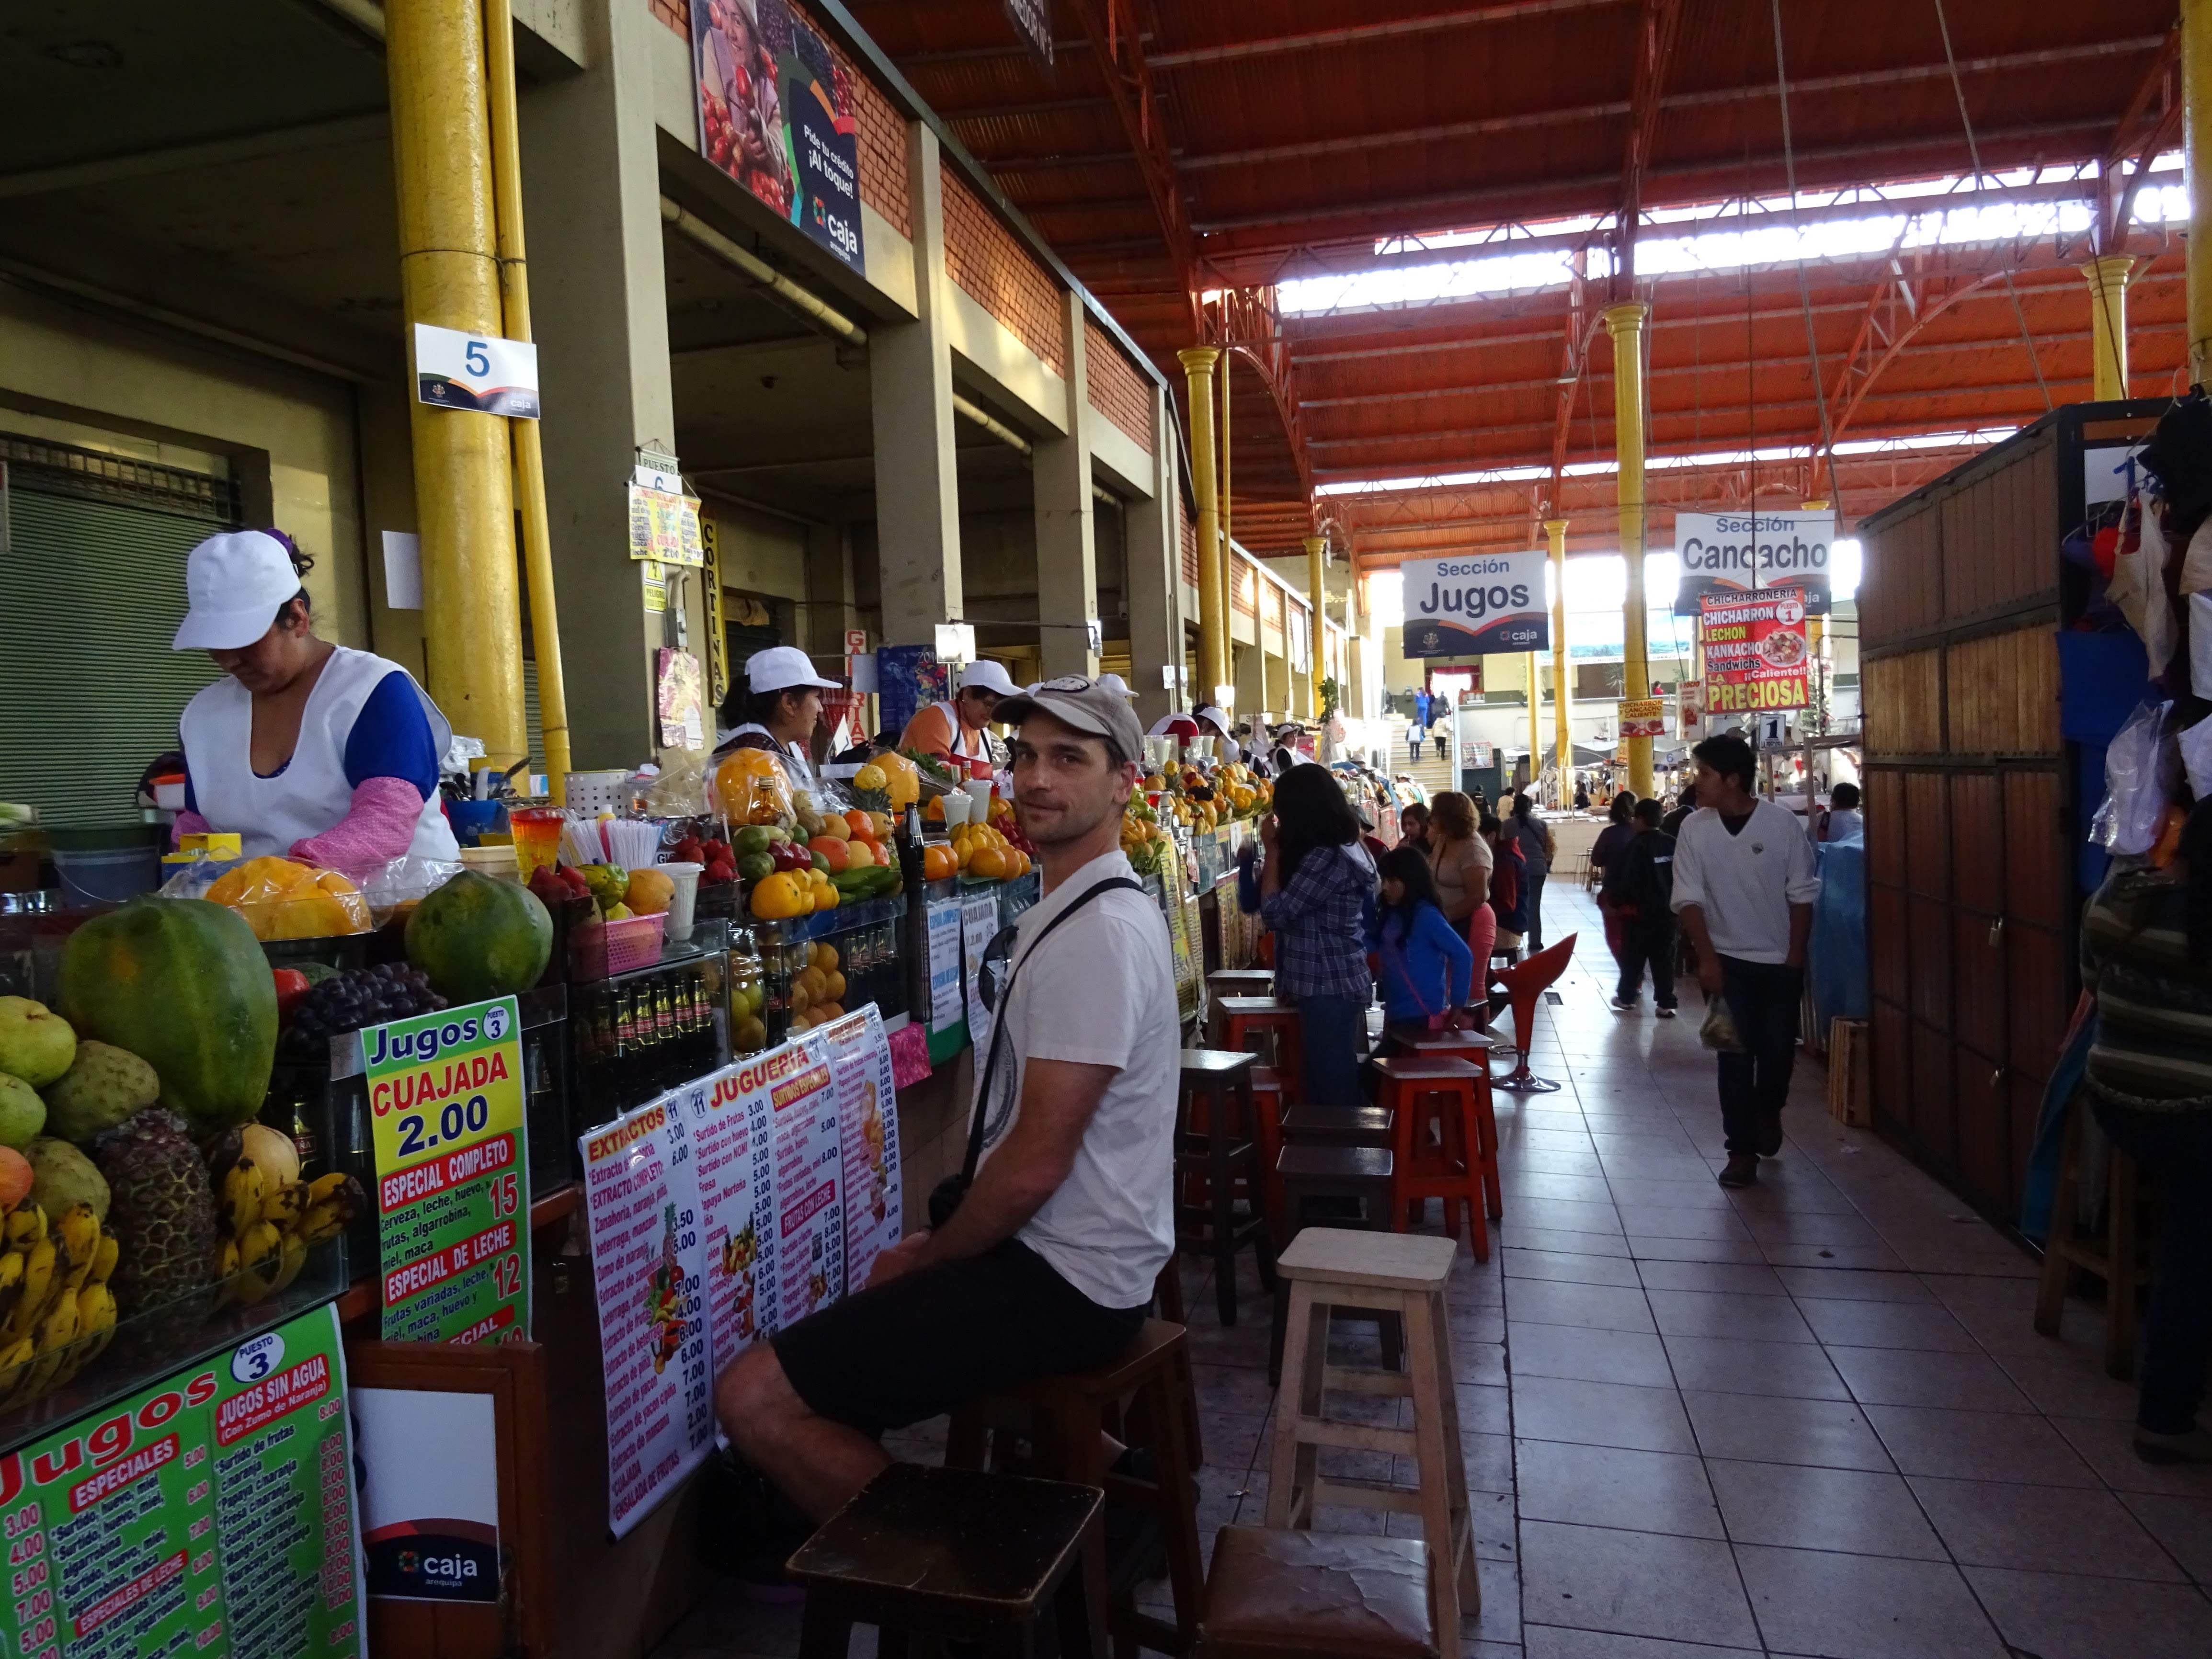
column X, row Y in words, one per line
column 1641, row 885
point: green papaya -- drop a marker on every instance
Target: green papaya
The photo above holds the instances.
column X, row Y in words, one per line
column 477, row 938
column 183, row 985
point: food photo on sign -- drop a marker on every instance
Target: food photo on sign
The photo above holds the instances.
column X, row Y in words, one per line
column 1472, row 603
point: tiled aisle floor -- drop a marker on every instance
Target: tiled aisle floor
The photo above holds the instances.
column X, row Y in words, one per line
column 1806, row 1418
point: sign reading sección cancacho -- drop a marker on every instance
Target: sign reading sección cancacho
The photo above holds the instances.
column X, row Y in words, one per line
column 1732, row 555
column 1475, row 605
column 444, row 1101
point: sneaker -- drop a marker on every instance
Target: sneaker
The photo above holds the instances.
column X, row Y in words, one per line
column 1627, row 1004
column 2194, row 1445
column 1742, row 1170
column 1666, row 1011
column 1770, row 1134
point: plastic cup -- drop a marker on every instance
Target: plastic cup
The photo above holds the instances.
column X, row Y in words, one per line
column 956, row 808
column 682, row 901
column 979, row 800
column 536, row 837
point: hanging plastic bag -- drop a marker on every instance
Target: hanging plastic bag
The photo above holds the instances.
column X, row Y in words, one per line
column 2196, row 562
column 2127, row 822
column 2138, row 585
column 1718, row 1032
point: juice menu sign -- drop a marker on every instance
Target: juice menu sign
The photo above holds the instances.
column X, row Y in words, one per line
column 1757, row 657
column 1474, row 604
column 211, row 1514
column 444, row 1102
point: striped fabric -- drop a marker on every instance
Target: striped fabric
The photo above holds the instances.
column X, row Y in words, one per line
column 2152, row 1048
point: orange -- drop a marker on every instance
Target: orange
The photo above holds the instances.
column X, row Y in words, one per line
column 858, row 823
column 835, row 986
column 934, row 812
column 779, row 897
column 938, row 863
column 989, row 863
column 832, row 849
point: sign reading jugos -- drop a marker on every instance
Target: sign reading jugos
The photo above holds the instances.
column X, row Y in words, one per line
column 1475, row 605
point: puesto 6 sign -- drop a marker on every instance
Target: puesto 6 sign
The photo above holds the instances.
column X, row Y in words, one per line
column 1732, row 553
column 1475, row 605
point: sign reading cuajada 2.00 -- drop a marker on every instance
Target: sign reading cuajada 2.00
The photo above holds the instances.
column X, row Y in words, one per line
column 1475, row 605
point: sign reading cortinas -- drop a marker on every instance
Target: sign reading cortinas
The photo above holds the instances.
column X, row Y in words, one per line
column 1474, row 604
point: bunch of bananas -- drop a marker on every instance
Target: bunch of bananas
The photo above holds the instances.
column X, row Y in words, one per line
column 57, row 1312
column 266, row 1216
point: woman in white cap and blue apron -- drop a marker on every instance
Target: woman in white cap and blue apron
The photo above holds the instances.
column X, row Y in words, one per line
column 779, row 708
column 304, row 748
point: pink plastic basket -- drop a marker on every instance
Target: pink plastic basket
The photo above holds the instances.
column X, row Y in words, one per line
column 634, row 942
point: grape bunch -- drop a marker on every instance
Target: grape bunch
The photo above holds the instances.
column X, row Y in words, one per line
column 348, row 1000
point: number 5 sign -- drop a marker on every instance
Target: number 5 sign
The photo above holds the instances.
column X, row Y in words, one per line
column 479, row 372
column 453, row 1200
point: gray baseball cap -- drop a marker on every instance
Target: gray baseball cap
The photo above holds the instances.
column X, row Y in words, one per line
column 1085, row 704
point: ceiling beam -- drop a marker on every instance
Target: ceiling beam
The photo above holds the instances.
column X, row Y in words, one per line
column 1359, row 34
column 997, row 111
column 1658, row 27
column 374, row 127
column 1487, row 126
column 1115, row 42
column 2149, row 124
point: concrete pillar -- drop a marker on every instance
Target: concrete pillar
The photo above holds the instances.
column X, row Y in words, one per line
column 832, row 605
column 599, row 302
column 1624, row 323
column 2108, row 324
column 910, row 391
column 449, row 277
column 1563, row 691
column 1317, row 600
column 2196, row 156
column 1154, row 581
column 1214, row 662
column 1067, row 552
column 1250, row 679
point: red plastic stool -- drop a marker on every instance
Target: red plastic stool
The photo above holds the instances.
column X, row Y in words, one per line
column 1524, row 985
column 1462, row 1162
column 1473, row 1047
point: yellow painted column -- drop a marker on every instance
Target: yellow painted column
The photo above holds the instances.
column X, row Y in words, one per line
column 449, row 275
column 1213, row 620
column 1229, row 551
column 2196, row 156
column 1535, row 732
column 529, row 455
column 1316, row 595
column 1624, row 323
column 1563, row 694
column 2108, row 324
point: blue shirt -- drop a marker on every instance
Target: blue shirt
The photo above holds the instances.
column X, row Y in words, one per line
column 1428, row 970
column 391, row 739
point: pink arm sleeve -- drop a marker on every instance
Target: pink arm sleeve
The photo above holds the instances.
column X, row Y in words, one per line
column 189, row 822
column 381, row 826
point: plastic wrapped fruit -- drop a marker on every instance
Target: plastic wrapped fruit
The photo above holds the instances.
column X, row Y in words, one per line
column 281, row 898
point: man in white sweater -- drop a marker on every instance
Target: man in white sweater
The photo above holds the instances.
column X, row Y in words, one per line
column 1744, row 889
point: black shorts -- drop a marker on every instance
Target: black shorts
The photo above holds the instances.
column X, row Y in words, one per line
column 930, row 1340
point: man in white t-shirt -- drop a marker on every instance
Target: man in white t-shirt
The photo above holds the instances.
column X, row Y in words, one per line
column 1047, row 1263
column 1744, row 887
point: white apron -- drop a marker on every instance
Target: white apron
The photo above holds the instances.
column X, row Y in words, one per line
column 979, row 750
column 795, row 755
column 310, row 795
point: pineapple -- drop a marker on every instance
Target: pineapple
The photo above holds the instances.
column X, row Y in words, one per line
column 162, row 1210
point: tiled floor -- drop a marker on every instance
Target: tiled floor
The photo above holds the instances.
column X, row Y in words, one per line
column 1810, row 1418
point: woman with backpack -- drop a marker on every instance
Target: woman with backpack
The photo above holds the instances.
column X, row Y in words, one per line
column 1427, row 972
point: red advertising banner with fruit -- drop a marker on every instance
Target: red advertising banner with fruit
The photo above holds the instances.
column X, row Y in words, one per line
column 1758, row 658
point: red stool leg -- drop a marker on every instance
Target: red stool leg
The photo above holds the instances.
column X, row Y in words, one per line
column 1400, row 1108
column 1485, row 1118
column 1478, row 1234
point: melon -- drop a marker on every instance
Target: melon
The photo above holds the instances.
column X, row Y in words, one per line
column 182, row 984
column 479, row 936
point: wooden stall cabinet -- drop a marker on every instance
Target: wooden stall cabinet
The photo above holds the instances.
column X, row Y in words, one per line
column 1972, row 820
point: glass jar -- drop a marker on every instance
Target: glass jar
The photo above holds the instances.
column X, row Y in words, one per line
column 748, row 994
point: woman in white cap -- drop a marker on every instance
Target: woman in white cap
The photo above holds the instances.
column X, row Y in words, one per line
column 305, row 749
column 779, row 708
column 954, row 729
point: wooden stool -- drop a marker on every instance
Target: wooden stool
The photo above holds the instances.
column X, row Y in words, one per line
column 1460, row 1166
column 1167, row 1302
column 1318, row 1595
column 1473, row 1047
column 1336, row 1126
column 1267, row 1090
column 1362, row 1174
column 1141, row 1399
column 1403, row 1273
column 2121, row 1258
column 951, row 1553
column 1250, row 1017
column 1219, row 1139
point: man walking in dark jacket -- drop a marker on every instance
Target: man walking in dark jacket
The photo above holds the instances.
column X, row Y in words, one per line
column 1642, row 883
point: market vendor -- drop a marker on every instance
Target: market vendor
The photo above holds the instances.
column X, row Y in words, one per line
column 953, row 730
column 778, row 709
column 304, row 748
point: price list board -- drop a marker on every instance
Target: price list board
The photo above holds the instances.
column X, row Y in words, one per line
column 211, row 1514
column 733, row 1162
column 867, row 1118
column 446, row 1111
column 809, row 1162
column 643, row 1203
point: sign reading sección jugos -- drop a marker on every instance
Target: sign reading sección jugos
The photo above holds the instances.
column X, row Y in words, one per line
column 1475, row 605
column 444, row 1102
